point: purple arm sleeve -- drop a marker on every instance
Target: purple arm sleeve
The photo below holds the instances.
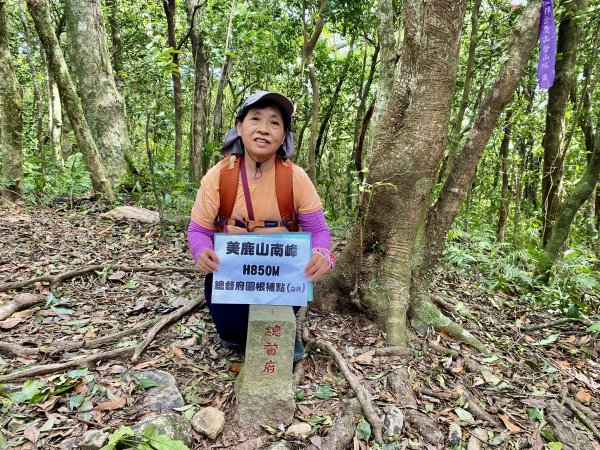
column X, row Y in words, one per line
column 199, row 238
column 315, row 224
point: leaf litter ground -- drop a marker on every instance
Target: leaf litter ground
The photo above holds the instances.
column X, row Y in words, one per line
column 528, row 371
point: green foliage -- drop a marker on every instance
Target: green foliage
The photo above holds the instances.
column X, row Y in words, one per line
column 125, row 437
column 502, row 266
column 34, row 391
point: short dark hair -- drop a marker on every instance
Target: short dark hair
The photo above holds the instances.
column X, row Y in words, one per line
column 262, row 104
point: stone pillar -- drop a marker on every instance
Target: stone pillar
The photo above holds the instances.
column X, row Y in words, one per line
column 264, row 389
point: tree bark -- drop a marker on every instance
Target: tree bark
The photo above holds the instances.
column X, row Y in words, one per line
column 104, row 106
column 218, row 109
column 11, row 120
column 558, row 97
column 504, row 198
column 442, row 214
column 169, row 7
column 407, row 148
column 455, row 134
column 199, row 119
column 43, row 23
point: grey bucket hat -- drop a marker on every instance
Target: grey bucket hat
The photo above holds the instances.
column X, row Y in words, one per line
column 233, row 143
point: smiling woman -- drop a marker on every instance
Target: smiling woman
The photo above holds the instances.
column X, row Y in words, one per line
column 278, row 197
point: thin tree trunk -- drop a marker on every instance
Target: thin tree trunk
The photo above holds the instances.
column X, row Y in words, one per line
column 387, row 45
column 504, row 198
column 442, row 214
column 218, row 110
column 314, row 124
column 558, row 97
column 55, row 117
column 364, row 95
column 104, row 107
column 37, row 95
column 569, row 208
column 43, row 23
column 117, row 43
column 11, row 121
column 169, row 7
column 199, row 119
column 455, row 134
column 332, row 104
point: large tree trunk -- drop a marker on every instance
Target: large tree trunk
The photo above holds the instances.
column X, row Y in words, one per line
column 199, row 118
column 407, row 148
column 558, row 96
column 104, row 106
column 11, row 121
column 55, row 119
column 58, row 68
column 442, row 214
column 169, row 7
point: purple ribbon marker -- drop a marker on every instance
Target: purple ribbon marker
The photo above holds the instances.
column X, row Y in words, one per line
column 545, row 69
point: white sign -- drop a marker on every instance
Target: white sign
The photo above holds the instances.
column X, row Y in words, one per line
column 262, row 269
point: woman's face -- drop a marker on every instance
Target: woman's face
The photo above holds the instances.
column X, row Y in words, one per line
column 262, row 132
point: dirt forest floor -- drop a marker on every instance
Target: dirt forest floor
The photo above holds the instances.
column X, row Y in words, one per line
column 540, row 386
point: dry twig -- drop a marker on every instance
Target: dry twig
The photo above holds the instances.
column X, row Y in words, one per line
column 54, row 279
column 573, row 406
column 175, row 315
column 7, row 348
column 361, row 393
column 59, row 367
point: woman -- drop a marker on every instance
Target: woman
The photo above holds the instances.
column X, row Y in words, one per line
column 257, row 152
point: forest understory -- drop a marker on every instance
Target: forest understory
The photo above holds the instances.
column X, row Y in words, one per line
column 540, row 387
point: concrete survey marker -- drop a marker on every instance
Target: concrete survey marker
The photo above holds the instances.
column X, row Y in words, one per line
column 264, row 389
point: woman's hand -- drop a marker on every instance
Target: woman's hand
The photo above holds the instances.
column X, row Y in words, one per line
column 208, row 261
column 316, row 267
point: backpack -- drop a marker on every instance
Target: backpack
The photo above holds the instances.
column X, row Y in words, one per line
column 284, row 190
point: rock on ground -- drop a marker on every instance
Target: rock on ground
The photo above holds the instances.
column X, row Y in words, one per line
column 209, row 422
column 164, row 397
column 171, row 424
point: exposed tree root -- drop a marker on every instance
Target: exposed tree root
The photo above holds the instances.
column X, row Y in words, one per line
column 23, row 301
column 564, row 430
column 399, row 383
column 470, row 365
column 555, row 323
column 457, row 307
column 174, row 316
column 341, row 433
column 426, row 313
column 7, row 348
column 361, row 393
column 575, row 407
column 60, row 367
column 397, row 350
column 54, row 279
column 474, row 406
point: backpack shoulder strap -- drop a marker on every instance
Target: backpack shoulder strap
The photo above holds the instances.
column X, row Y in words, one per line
column 284, row 189
column 228, row 183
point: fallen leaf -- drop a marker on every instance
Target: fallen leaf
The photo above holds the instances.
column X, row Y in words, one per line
column 236, row 367
column 32, row 434
column 177, row 351
column 11, row 323
column 509, row 425
column 49, row 404
column 563, row 364
column 109, row 406
column 534, row 403
column 365, row 357
column 117, row 275
column 583, row 395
